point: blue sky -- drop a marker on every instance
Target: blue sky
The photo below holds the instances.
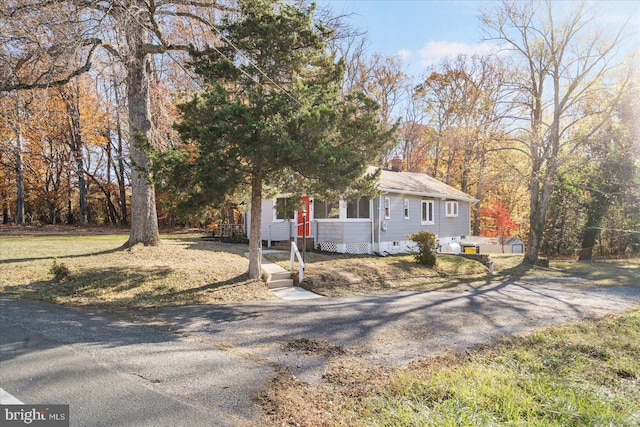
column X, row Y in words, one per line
column 424, row 31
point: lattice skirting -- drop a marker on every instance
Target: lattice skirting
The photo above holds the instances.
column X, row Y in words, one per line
column 358, row 248
column 328, row 246
column 349, row 248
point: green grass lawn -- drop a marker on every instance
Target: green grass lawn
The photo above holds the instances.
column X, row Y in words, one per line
column 623, row 272
column 582, row 374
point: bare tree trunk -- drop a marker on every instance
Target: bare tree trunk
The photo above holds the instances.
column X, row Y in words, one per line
column 69, row 197
column 144, row 220
column 466, row 170
column 19, row 176
column 71, row 98
column 82, row 188
column 120, row 172
column 255, row 241
column 122, row 189
column 540, row 196
column 113, row 212
column 5, row 198
column 479, row 194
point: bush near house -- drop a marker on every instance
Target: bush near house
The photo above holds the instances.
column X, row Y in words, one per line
column 426, row 241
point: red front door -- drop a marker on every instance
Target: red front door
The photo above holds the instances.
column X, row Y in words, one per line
column 307, row 205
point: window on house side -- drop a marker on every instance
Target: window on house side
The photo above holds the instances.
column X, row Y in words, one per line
column 427, row 212
column 387, row 208
column 352, row 209
column 358, row 208
column 284, row 208
column 452, row 209
column 406, row 208
column 324, row 210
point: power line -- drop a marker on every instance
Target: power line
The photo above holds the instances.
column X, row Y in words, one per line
column 253, row 65
column 255, row 80
column 155, row 36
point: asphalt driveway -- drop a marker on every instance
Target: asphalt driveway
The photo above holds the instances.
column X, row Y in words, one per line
column 201, row 365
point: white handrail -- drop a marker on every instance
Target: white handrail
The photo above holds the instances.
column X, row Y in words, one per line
column 295, row 253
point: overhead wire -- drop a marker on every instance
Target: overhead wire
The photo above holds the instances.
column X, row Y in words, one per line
column 157, row 39
column 238, row 51
column 254, row 65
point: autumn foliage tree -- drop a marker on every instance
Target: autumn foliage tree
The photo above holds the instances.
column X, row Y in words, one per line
column 562, row 62
column 496, row 220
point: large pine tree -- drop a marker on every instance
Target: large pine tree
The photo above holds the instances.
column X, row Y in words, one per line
column 271, row 113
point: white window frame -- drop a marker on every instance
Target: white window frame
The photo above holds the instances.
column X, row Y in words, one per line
column 427, row 221
column 275, row 211
column 387, row 207
column 406, row 208
column 451, row 209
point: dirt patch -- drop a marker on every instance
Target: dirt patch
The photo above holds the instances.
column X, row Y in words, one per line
column 314, row 347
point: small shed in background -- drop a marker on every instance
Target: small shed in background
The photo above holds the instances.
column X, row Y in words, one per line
column 497, row 245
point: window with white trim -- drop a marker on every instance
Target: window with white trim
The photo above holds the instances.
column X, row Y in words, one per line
column 406, row 208
column 284, row 208
column 452, row 209
column 428, row 212
column 387, row 207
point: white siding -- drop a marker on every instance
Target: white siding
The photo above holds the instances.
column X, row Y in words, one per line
column 280, row 229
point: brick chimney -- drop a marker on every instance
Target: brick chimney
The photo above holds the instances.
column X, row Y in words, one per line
column 396, row 164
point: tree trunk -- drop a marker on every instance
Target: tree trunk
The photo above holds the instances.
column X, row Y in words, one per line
column 5, row 204
column 70, row 95
column 540, row 196
column 122, row 189
column 119, row 170
column 78, row 146
column 535, row 234
column 255, row 241
column 111, row 218
column 4, row 195
column 144, row 220
column 479, row 194
column 595, row 213
column 19, row 177
column 69, row 198
column 82, row 182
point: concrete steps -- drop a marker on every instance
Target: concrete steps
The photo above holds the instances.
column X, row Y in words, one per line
column 277, row 277
column 280, row 279
column 281, row 284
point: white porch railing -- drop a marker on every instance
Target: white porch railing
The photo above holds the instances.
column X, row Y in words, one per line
column 295, row 253
column 293, row 231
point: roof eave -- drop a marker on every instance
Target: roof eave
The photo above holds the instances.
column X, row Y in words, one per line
column 433, row 195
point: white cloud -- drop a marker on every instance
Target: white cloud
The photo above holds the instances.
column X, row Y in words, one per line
column 404, row 54
column 436, row 50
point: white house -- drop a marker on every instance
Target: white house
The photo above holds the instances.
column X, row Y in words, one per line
column 408, row 203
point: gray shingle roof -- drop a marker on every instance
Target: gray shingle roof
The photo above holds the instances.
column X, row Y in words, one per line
column 418, row 184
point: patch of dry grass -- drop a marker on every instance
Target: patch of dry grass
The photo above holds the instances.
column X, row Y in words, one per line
column 623, row 272
column 184, row 269
column 584, row 373
column 341, row 275
column 345, row 385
